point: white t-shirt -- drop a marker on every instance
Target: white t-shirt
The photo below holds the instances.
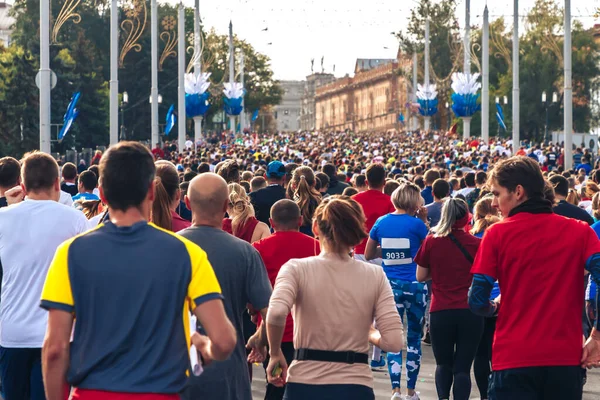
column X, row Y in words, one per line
column 66, row 199
column 30, row 232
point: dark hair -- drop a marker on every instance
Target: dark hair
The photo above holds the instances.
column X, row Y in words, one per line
column 323, row 178
column 245, row 185
column 375, row 175
column 95, row 170
column 431, row 176
column 480, row 178
column 420, row 182
column 470, row 179
column 285, row 214
column 349, row 191
column 69, row 171
column 440, row 188
column 10, row 172
column 361, row 180
column 230, row 171
column 560, row 185
column 390, row 186
column 39, row 171
column 329, row 170
column 341, row 222
column 126, row 173
column 203, row 167
column 258, row 182
column 523, row 171
column 88, row 180
column 188, row 176
column 184, row 186
column 167, row 184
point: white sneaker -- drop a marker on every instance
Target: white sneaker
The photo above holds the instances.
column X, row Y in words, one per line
column 413, row 397
column 396, row 396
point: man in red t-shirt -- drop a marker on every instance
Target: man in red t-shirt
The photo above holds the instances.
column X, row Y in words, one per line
column 537, row 351
column 285, row 244
column 374, row 203
column 157, row 152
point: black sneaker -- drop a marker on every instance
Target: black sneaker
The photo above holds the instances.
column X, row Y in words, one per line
column 427, row 339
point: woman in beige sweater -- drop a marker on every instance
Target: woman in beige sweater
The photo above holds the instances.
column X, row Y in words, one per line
column 334, row 300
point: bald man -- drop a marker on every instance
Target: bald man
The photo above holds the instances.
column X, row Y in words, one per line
column 243, row 279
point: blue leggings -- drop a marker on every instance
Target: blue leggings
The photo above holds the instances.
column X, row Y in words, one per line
column 412, row 297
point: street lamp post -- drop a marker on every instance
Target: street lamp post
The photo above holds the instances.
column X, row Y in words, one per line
column 124, row 101
column 547, row 106
column 160, row 100
column 448, row 114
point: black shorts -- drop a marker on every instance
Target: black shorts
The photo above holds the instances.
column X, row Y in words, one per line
column 537, row 383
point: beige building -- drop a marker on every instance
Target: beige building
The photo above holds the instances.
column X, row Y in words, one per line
column 287, row 113
column 308, row 113
column 370, row 100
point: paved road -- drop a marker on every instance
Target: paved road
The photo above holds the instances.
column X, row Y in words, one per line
column 426, row 384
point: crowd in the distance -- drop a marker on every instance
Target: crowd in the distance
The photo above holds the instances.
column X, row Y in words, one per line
column 300, row 251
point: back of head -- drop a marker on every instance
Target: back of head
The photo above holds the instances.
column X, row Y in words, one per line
column 167, row 189
column 69, row 171
column 596, row 206
column 470, row 179
column 560, row 185
column 247, row 176
column 188, row 176
column 375, row 176
column 324, row 179
column 519, row 171
column 203, row 168
column 88, row 180
column 484, row 214
column 285, row 215
column 230, row 171
column 431, row 176
column 455, row 215
column 10, row 172
column 360, row 181
column 126, row 174
column 304, row 192
column 207, row 194
column 39, row 172
column 407, row 197
column 96, row 170
column 480, row 178
column 441, row 189
column 349, row 191
column 240, row 209
column 329, row 170
column 341, row 223
column 257, row 183
column 390, row 186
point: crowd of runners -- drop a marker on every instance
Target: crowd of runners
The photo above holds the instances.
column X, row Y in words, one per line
column 167, row 273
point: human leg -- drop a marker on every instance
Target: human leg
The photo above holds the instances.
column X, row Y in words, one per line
column 395, row 359
column 443, row 336
column 470, row 329
column 415, row 313
column 483, row 358
column 15, row 372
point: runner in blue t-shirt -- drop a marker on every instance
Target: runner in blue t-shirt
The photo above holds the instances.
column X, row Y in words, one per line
column 396, row 238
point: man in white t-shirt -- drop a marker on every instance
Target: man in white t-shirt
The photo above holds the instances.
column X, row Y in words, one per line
column 30, row 232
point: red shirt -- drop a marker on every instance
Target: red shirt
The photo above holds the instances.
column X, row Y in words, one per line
column 375, row 205
column 158, row 153
column 450, row 270
column 278, row 249
column 538, row 260
column 85, row 394
column 178, row 223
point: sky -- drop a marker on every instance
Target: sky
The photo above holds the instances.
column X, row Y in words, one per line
column 338, row 30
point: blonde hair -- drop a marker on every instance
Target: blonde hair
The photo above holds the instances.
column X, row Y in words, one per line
column 573, row 197
column 452, row 210
column 484, row 215
column 407, row 197
column 305, row 194
column 596, row 206
column 240, row 209
column 591, row 188
column 90, row 208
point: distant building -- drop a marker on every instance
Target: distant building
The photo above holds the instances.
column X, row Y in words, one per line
column 308, row 119
column 287, row 113
column 6, row 23
column 370, row 100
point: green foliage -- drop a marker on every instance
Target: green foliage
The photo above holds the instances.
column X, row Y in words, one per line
column 81, row 63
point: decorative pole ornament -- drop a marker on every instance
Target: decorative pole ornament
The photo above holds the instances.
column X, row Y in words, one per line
column 234, row 96
column 169, row 38
column 465, row 87
column 428, row 102
column 196, row 94
column 133, row 26
column 66, row 13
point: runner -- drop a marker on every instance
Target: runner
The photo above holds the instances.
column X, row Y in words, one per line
column 168, row 198
column 396, row 238
column 306, row 196
column 87, row 183
column 29, row 234
column 532, row 355
column 241, row 222
column 124, row 263
column 263, row 199
column 331, row 359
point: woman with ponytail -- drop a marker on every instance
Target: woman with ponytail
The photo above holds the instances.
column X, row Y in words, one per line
column 306, row 196
column 241, row 222
column 446, row 258
column 166, row 198
column 484, row 216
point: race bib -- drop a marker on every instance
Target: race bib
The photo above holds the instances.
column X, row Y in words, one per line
column 395, row 251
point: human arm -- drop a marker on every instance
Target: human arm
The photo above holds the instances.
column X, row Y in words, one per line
column 423, row 261
column 14, row 195
column 423, row 274
column 260, row 232
column 389, row 335
column 479, row 296
column 55, row 353
column 258, row 293
column 372, row 250
column 257, row 343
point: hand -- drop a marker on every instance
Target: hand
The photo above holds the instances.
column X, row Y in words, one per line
column 591, row 351
column 374, row 337
column 202, row 344
column 276, row 362
column 14, row 195
column 258, row 352
column 422, row 213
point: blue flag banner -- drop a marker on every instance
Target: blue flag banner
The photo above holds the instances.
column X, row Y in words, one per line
column 500, row 116
column 196, row 104
column 171, row 119
column 255, row 115
column 70, row 116
column 401, row 118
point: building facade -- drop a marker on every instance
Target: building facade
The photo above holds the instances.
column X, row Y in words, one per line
column 287, row 113
column 371, row 100
column 308, row 113
column 6, row 23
